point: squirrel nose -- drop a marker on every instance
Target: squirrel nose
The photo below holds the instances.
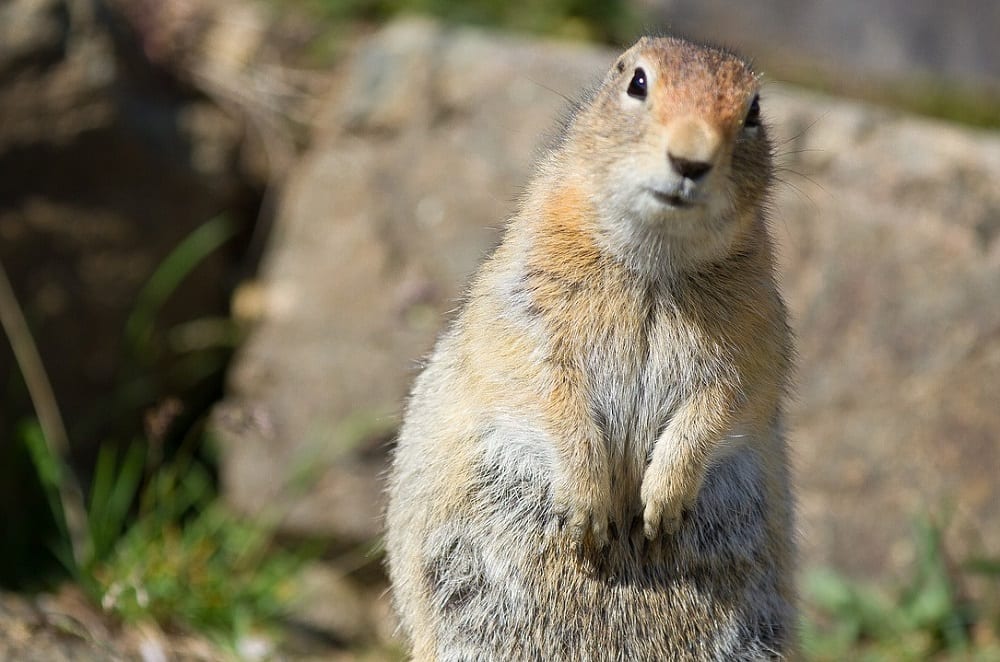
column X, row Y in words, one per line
column 693, row 146
column 693, row 170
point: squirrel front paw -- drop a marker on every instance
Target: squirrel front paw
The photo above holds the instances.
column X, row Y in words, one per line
column 665, row 500
column 582, row 513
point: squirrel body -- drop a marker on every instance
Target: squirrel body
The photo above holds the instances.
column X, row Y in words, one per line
column 592, row 465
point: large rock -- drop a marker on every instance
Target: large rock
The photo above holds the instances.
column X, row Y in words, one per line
column 888, row 227
column 428, row 138
column 896, row 40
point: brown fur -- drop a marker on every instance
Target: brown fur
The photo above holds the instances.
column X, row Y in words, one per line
column 592, row 466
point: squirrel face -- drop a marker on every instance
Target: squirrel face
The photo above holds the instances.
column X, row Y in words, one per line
column 676, row 153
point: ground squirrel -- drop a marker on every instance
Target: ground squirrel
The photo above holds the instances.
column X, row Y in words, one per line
column 592, row 465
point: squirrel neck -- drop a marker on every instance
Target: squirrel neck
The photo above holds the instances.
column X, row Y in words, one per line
column 565, row 224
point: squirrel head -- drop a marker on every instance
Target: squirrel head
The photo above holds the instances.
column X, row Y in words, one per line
column 675, row 153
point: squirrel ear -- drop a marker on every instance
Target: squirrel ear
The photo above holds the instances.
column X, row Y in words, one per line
column 752, row 118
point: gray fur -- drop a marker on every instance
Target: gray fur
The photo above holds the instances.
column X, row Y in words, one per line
column 593, row 465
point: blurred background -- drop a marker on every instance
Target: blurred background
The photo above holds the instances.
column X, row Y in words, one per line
column 229, row 229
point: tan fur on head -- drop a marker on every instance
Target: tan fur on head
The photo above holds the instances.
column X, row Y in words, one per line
column 694, row 112
column 593, row 466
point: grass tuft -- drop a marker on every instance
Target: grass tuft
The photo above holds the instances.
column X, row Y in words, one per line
column 161, row 547
column 153, row 542
column 928, row 617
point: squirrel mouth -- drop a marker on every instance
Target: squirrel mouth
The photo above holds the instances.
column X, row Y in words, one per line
column 673, row 199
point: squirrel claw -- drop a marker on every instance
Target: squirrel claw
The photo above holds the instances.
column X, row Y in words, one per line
column 582, row 518
column 581, row 526
column 660, row 520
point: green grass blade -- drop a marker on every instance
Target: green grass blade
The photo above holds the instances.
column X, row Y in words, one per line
column 181, row 261
column 100, row 492
column 123, row 493
column 983, row 566
column 50, row 469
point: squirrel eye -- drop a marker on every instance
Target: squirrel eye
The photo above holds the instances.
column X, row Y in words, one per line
column 753, row 114
column 637, row 88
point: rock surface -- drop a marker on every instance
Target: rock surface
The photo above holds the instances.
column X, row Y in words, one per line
column 892, row 267
column 66, row 627
column 890, row 235
column 891, row 39
column 382, row 223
